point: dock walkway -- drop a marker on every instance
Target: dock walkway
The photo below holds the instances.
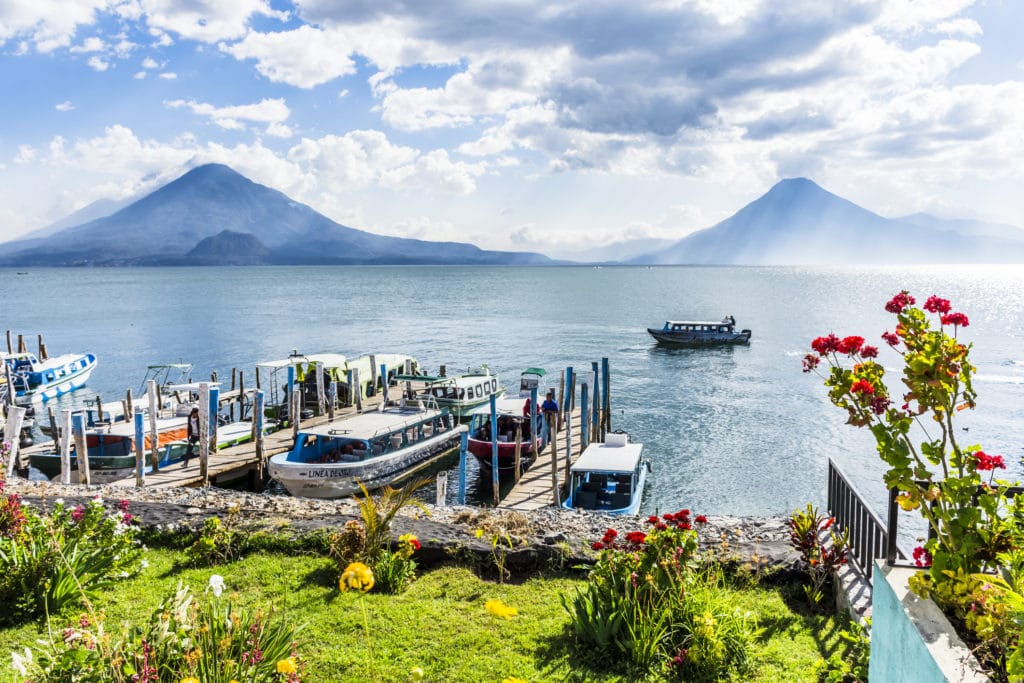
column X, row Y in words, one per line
column 533, row 490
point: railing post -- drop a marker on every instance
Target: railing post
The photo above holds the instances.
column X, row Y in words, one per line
column 891, row 527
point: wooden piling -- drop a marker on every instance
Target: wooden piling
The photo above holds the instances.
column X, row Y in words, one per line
column 519, row 450
column 321, row 390
column 21, row 344
column 15, row 418
column 129, row 409
column 81, row 450
column 561, row 396
column 332, row 396
column 552, row 418
column 53, row 428
column 11, row 389
column 241, row 396
column 10, row 344
column 42, row 348
column 99, row 408
column 140, row 449
column 154, row 446
column 65, row 447
column 204, row 433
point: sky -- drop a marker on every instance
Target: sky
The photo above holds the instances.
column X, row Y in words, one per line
column 539, row 125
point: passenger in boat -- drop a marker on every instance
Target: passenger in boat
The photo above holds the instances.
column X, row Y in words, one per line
column 193, row 435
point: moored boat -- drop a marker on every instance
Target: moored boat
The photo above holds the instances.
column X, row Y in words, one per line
column 609, row 477
column 700, row 332
column 512, row 416
column 461, row 394
column 35, row 380
column 374, row 448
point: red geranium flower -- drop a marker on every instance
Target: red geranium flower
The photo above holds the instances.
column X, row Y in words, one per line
column 869, row 351
column 900, row 302
column 653, row 519
column 123, row 506
column 986, row 462
column 922, row 558
column 700, row 519
column 597, row 545
column 851, row 344
column 685, row 512
column 826, row 345
column 415, row 544
column 936, row 305
column 862, row 386
column 891, row 338
column 955, row 319
column 879, row 404
column 636, row 537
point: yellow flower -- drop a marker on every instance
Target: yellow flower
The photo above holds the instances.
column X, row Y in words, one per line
column 500, row 609
column 357, row 576
column 416, row 674
column 513, row 679
column 190, row 679
column 479, row 533
column 287, row 666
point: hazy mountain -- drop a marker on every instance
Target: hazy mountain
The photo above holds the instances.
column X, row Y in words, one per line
column 616, row 251
column 797, row 222
column 90, row 212
column 169, row 225
column 229, row 249
column 965, row 226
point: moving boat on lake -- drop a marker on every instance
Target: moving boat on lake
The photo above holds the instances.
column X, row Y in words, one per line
column 700, row 332
column 374, row 448
column 609, row 477
column 35, row 380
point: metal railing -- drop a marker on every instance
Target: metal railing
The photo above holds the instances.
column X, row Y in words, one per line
column 870, row 538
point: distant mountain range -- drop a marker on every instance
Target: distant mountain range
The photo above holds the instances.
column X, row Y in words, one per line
column 799, row 223
column 212, row 215
column 215, row 216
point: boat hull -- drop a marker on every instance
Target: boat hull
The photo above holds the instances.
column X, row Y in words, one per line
column 65, row 385
column 633, row 508
column 482, row 451
column 338, row 480
column 704, row 339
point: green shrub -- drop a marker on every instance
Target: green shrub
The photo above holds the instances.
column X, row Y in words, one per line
column 185, row 639
column 64, row 557
column 219, row 542
column 394, row 568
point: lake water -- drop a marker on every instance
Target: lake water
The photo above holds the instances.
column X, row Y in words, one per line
column 737, row 430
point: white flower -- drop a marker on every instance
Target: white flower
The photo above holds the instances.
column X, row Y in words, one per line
column 216, row 585
column 59, row 501
column 21, row 663
column 144, row 564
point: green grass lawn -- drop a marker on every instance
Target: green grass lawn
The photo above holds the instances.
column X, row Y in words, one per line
column 440, row 624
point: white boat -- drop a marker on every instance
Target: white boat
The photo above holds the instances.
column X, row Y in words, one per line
column 374, row 448
column 609, row 477
column 36, row 380
column 700, row 332
column 461, row 394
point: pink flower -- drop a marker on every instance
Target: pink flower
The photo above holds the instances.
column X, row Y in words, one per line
column 936, row 305
column 77, row 514
column 891, row 338
column 123, row 506
column 922, row 558
column 879, row 404
column 955, row 319
column 869, row 351
column 810, row 362
column 899, row 302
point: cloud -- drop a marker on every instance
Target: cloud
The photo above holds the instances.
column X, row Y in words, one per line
column 64, row 106
column 92, row 44
column 270, row 111
column 150, row 63
column 48, row 24
column 168, row 76
column 207, row 21
column 98, row 63
column 305, row 57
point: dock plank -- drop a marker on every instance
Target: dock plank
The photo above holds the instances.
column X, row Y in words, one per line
column 533, row 490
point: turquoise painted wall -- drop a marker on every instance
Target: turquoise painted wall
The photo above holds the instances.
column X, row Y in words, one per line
column 898, row 654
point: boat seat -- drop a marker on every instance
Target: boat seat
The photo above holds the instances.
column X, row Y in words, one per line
column 619, row 501
column 586, row 500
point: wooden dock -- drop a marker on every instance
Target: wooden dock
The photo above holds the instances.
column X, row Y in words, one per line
column 534, row 488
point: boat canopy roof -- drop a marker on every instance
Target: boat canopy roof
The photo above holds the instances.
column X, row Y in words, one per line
column 466, row 379
column 540, row 372
column 715, row 323
column 328, row 360
column 505, row 406
column 604, row 457
column 170, row 366
column 371, row 424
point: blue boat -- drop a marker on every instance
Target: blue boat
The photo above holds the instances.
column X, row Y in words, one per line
column 36, row 380
column 609, row 477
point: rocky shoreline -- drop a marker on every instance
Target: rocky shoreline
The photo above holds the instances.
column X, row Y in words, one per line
column 545, row 538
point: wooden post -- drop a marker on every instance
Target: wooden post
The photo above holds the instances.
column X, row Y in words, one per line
column 53, row 428
column 241, row 397
column 442, row 488
column 290, row 394
column 231, row 406
column 584, row 415
column 533, row 424
column 257, row 425
column 154, row 446
column 15, row 418
column 10, row 344
column 99, row 408
column 570, row 384
column 21, row 345
column 359, row 390
column 552, row 419
column 352, row 388
column 443, row 371
column 296, row 412
column 42, row 348
column 140, row 449
column 65, row 447
column 11, row 389
column 561, row 397
column 321, row 390
column 595, row 413
column 81, row 451
column 373, row 373
column 463, row 448
column 607, row 395
column 384, row 381
column 519, row 449
column 204, row 432
column 258, row 378
column 332, row 398
column 214, row 417
column 494, row 450
column 129, row 409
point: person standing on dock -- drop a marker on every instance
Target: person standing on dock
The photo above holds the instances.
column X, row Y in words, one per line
column 550, row 405
column 193, row 435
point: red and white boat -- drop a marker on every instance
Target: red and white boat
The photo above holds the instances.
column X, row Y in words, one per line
column 512, row 414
